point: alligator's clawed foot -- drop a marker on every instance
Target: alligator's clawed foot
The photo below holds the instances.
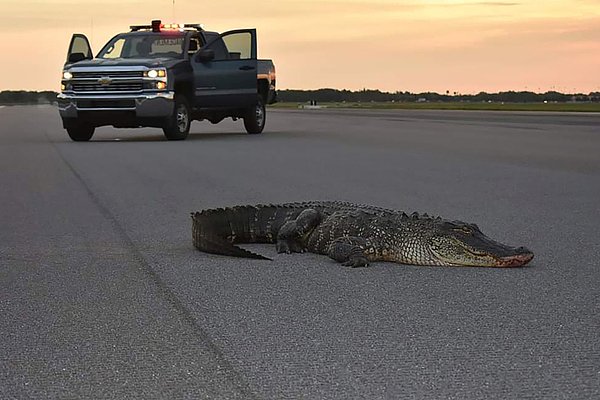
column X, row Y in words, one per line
column 289, row 247
column 292, row 235
column 356, row 262
column 350, row 251
column 282, row 247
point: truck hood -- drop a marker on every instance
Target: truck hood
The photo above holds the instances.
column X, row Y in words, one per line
column 127, row 62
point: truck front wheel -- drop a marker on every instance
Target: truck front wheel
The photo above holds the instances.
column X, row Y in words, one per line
column 80, row 133
column 178, row 125
column 254, row 121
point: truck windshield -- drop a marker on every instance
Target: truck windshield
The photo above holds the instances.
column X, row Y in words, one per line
column 144, row 45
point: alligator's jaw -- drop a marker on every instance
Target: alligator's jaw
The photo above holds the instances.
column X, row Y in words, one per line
column 505, row 257
column 517, row 260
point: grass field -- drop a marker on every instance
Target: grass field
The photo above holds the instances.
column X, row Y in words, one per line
column 570, row 107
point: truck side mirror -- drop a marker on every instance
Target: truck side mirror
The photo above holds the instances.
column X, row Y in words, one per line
column 76, row 57
column 205, row 55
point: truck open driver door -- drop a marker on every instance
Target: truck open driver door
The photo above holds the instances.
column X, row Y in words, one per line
column 79, row 49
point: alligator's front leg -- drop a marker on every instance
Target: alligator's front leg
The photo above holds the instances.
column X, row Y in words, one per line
column 292, row 235
column 351, row 251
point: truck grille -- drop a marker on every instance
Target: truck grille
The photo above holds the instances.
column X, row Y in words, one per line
column 114, row 86
column 110, row 74
column 107, row 81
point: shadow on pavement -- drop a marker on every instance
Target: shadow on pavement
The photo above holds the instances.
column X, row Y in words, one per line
column 192, row 137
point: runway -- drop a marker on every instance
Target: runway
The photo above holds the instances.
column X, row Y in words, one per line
column 103, row 295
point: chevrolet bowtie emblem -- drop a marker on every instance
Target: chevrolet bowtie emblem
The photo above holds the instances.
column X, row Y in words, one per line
column 105, row 80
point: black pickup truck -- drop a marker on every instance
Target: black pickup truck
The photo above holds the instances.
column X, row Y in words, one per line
column 165, row 76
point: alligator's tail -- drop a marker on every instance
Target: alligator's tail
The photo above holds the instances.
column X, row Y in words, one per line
column 214, row 231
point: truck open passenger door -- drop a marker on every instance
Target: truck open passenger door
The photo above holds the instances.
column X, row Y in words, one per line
column 79, row 49
column 225, row 70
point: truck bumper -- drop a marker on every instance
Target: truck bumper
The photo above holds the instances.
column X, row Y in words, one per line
column 147, row 105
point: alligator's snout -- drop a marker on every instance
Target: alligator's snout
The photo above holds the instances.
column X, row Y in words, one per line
column 521, row 257
column 459, row 243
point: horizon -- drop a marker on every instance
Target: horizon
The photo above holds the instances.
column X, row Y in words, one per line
column 463, row 46
column 374, row 90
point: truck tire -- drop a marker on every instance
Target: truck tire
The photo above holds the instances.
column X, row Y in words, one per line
column 80, row 133
column 255, row 119
column 178, row 125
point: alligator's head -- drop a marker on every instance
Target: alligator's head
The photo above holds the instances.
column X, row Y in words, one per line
column 458, row 243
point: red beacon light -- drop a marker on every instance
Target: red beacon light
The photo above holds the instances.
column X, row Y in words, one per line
column 177, row 27
column 158, row 26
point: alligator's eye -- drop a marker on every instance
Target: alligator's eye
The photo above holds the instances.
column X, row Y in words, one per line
column 464, row 229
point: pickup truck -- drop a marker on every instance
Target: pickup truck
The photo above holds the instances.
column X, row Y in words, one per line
column 165, row 76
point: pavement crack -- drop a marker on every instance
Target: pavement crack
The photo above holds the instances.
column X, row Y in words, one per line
column 227, row 368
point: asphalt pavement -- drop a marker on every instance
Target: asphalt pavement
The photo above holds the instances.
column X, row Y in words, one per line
column 102, row 294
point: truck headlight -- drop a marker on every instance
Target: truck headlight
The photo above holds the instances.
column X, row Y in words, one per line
column 155, row 73
column 67, row 75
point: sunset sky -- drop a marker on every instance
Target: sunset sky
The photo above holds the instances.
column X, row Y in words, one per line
column 465, row 46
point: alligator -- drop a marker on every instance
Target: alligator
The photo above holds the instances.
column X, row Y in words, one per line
column 351, row 234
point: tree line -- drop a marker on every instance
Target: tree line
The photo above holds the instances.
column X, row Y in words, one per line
column 27, row 97
column 366, row 95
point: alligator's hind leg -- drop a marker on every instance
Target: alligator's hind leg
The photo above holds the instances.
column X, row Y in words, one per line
column 292, row 235
column 351, row 251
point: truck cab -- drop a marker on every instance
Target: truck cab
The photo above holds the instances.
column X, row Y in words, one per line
column 165, row 76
